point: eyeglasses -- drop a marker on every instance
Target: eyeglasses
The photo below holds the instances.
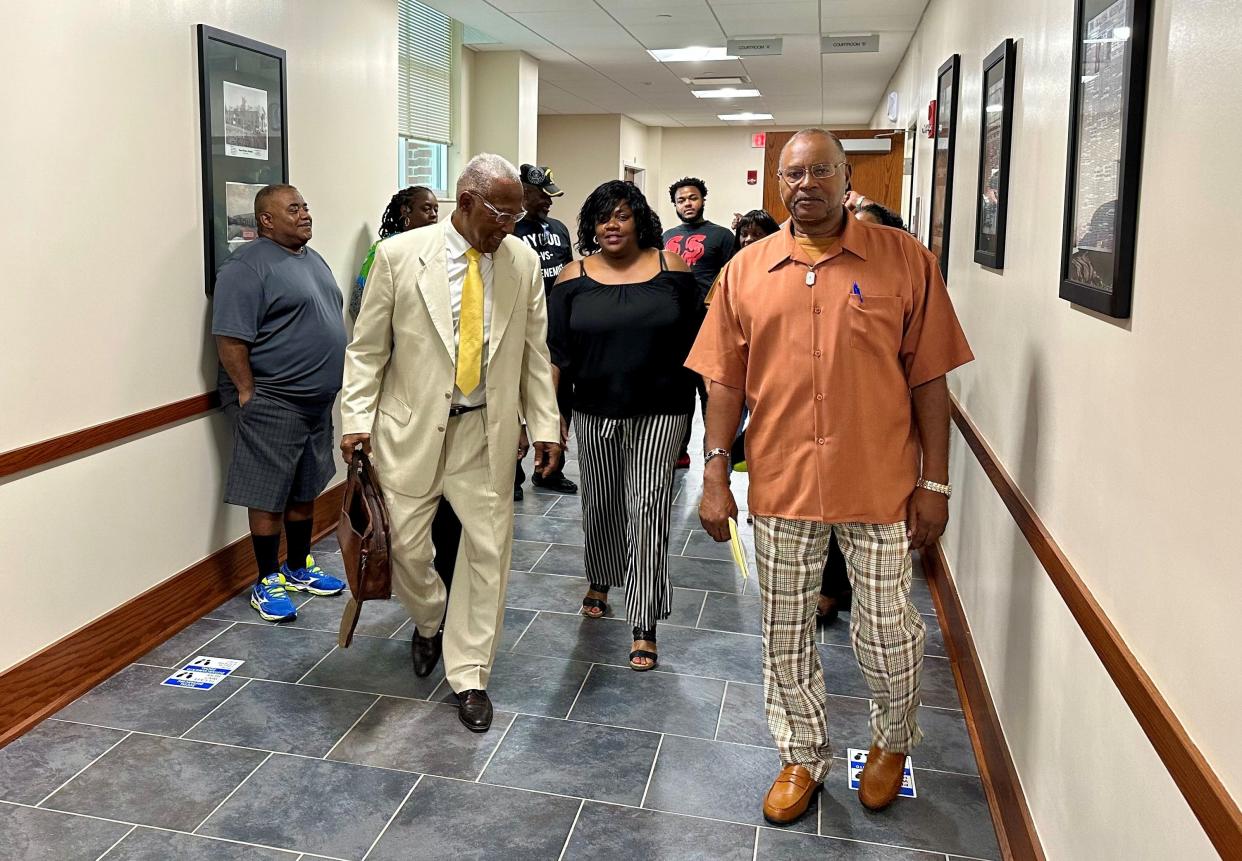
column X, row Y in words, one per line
column 500, row 216
column 795, row 175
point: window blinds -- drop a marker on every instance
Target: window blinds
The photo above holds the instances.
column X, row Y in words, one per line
column 425, row 66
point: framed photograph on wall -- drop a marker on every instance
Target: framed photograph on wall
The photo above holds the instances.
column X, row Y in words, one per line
column 996, row 120
column 243, row 137
column 940, row 212
column 1108, row 96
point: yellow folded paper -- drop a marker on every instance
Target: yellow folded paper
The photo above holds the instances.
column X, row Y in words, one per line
column 739, row 552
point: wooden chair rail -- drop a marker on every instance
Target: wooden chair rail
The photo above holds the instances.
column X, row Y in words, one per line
column 1215, row 809
column 43, row 453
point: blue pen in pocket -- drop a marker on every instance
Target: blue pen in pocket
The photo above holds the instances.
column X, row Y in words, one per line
column 857, row 293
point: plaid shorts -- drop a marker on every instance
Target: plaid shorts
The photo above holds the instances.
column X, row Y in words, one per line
column 280, row 456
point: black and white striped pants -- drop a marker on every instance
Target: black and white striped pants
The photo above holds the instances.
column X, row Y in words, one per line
column 627, row 488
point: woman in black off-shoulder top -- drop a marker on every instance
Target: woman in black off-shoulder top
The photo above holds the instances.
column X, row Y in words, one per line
column 620, row 324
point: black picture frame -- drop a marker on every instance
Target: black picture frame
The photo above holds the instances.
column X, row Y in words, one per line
column 995, row 138
column 1108, row 101
column 944, row 143
column 244, row 144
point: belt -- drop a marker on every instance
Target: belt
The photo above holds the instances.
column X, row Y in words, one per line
column 455, row 411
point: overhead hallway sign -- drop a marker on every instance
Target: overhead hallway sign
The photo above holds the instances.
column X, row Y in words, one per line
column 868, row 44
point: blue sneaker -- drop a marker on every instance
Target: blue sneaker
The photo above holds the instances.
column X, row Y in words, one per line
column 311, row 579
column 269, row 597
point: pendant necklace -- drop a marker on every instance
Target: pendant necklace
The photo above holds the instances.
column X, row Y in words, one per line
column 810, row 277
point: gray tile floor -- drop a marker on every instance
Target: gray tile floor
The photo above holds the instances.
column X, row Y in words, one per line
column 314, row 752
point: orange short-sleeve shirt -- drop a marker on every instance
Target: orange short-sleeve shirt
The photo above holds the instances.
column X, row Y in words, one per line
column 827, row 369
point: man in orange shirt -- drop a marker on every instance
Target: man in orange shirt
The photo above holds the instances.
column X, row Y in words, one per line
column 838, row 334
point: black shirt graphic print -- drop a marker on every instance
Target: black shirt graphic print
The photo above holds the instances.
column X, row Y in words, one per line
column 551, row 242
column 706, row 248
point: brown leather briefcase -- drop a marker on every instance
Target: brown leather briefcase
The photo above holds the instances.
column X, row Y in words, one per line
column 363, row 535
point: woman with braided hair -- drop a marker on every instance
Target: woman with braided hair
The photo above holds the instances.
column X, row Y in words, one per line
column 409, row 208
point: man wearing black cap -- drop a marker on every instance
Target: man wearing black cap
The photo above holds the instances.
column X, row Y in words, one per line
column 551, row 242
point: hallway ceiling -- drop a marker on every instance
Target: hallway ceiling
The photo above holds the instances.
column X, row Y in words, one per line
column 593, row 54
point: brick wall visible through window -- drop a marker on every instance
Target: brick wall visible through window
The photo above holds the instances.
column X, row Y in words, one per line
column 423, row 163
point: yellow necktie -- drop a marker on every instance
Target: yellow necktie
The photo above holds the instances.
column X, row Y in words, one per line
column 470, row 327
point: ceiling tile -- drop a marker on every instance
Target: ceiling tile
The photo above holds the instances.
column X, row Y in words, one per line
column 511, row 6
column 653, row 119
column 768, row 19
column 592, row 56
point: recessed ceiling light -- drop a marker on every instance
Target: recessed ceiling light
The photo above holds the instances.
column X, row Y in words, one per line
column 726, row 93
column 693, row 54
column 744, row 117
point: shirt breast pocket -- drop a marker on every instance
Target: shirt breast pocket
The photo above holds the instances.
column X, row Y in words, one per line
column 875, row 324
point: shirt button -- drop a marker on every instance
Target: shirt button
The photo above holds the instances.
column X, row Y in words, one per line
column 440, row 428
column 448, row 394
column 819, row 397
column 818, row 309
column 816, row 354
column 821, row 440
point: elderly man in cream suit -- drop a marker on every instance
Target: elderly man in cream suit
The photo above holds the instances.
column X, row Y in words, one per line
column 449, row 349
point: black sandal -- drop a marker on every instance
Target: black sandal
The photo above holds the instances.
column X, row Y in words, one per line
column 589, row 603
column 649, row 636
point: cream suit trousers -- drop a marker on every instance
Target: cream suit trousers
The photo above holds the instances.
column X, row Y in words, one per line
column 476, row 607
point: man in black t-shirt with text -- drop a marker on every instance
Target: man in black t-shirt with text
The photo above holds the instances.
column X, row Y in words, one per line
column 551, row 242
column 706, row 248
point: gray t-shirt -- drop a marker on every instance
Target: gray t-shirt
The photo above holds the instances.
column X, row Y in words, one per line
column 287, row 307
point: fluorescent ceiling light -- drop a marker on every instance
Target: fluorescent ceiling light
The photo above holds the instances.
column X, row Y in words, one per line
column 995, row 109
column 726, row 93
column 744, row 117
column 693, row 54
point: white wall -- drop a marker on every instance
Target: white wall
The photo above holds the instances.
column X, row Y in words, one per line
column 460, row 93
column 640, row 147
column 582, row 151
column 103, row 312
column 504, row 105
column 720, row 156
column 1120, row 433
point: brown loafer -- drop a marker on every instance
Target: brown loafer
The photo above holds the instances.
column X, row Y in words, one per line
column 790, row 795
column 475, row 710
column 881, row 778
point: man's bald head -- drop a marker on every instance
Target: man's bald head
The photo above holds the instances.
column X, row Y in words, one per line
column 283, row 216
column 820, row 136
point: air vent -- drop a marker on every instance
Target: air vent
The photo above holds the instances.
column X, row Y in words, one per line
column 718, row 81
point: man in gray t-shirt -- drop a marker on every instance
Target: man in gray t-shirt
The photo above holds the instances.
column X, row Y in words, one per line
column 279, row 330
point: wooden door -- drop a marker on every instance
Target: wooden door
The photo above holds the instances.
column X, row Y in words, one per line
column 876, row 175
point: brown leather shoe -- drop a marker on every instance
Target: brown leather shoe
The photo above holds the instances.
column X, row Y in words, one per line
column 425, row 652
column 881, row 778
column 475, row 710
column 790, row 795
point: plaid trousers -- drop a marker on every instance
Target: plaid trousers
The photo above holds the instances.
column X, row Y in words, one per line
column 885, row 629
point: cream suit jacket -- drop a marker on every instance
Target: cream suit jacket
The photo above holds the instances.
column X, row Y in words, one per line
column 400, row 366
